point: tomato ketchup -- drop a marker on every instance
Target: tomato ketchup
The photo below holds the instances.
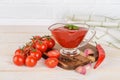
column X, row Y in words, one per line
column 69, row 38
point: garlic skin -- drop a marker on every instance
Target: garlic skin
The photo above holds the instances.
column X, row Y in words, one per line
column 81, row 70
column 88, row 66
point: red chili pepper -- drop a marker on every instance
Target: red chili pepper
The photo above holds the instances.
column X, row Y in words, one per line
column 101, row 55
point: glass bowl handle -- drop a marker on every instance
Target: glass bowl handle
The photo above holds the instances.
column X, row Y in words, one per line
column 91, row 34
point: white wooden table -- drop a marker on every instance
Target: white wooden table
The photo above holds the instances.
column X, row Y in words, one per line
column 12, row 37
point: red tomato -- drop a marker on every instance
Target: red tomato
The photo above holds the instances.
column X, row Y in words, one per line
column 30, row 61
column 26, row 49
column 19, row 60
column 41, row 46
column 51, row 62
column 49, row 41
column 36, row 39
column 18, row 52
column 53, row 54
column 36, row 54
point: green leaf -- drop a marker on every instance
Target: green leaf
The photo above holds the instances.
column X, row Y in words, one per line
column 71, row 27
column 75, row 27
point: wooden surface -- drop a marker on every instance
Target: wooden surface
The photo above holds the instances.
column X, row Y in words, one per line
column 72, row 62
column 13, row 37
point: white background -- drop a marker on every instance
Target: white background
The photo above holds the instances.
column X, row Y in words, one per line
column 23, row 11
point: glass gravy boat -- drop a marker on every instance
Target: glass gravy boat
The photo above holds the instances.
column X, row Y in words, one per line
column 71, row 36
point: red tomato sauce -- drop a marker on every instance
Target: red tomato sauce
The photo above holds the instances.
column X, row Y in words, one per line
column 69, row 38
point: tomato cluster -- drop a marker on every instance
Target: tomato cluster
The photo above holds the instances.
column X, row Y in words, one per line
column 29, row 54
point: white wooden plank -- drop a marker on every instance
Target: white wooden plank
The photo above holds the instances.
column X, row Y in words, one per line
column 9, row 48
column 115, row 33
column 24, row 28
column 53, row 75
column 19, row 37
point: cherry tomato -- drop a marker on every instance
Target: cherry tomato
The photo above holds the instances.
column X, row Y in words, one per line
column 53, row 54
column 26, row 49
column 36, row 54
column 49, row 41
column 36, row 39
column 30, row 61
column 41, row 46
column 18, row 52
column 19, row 60
column 51, row 62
